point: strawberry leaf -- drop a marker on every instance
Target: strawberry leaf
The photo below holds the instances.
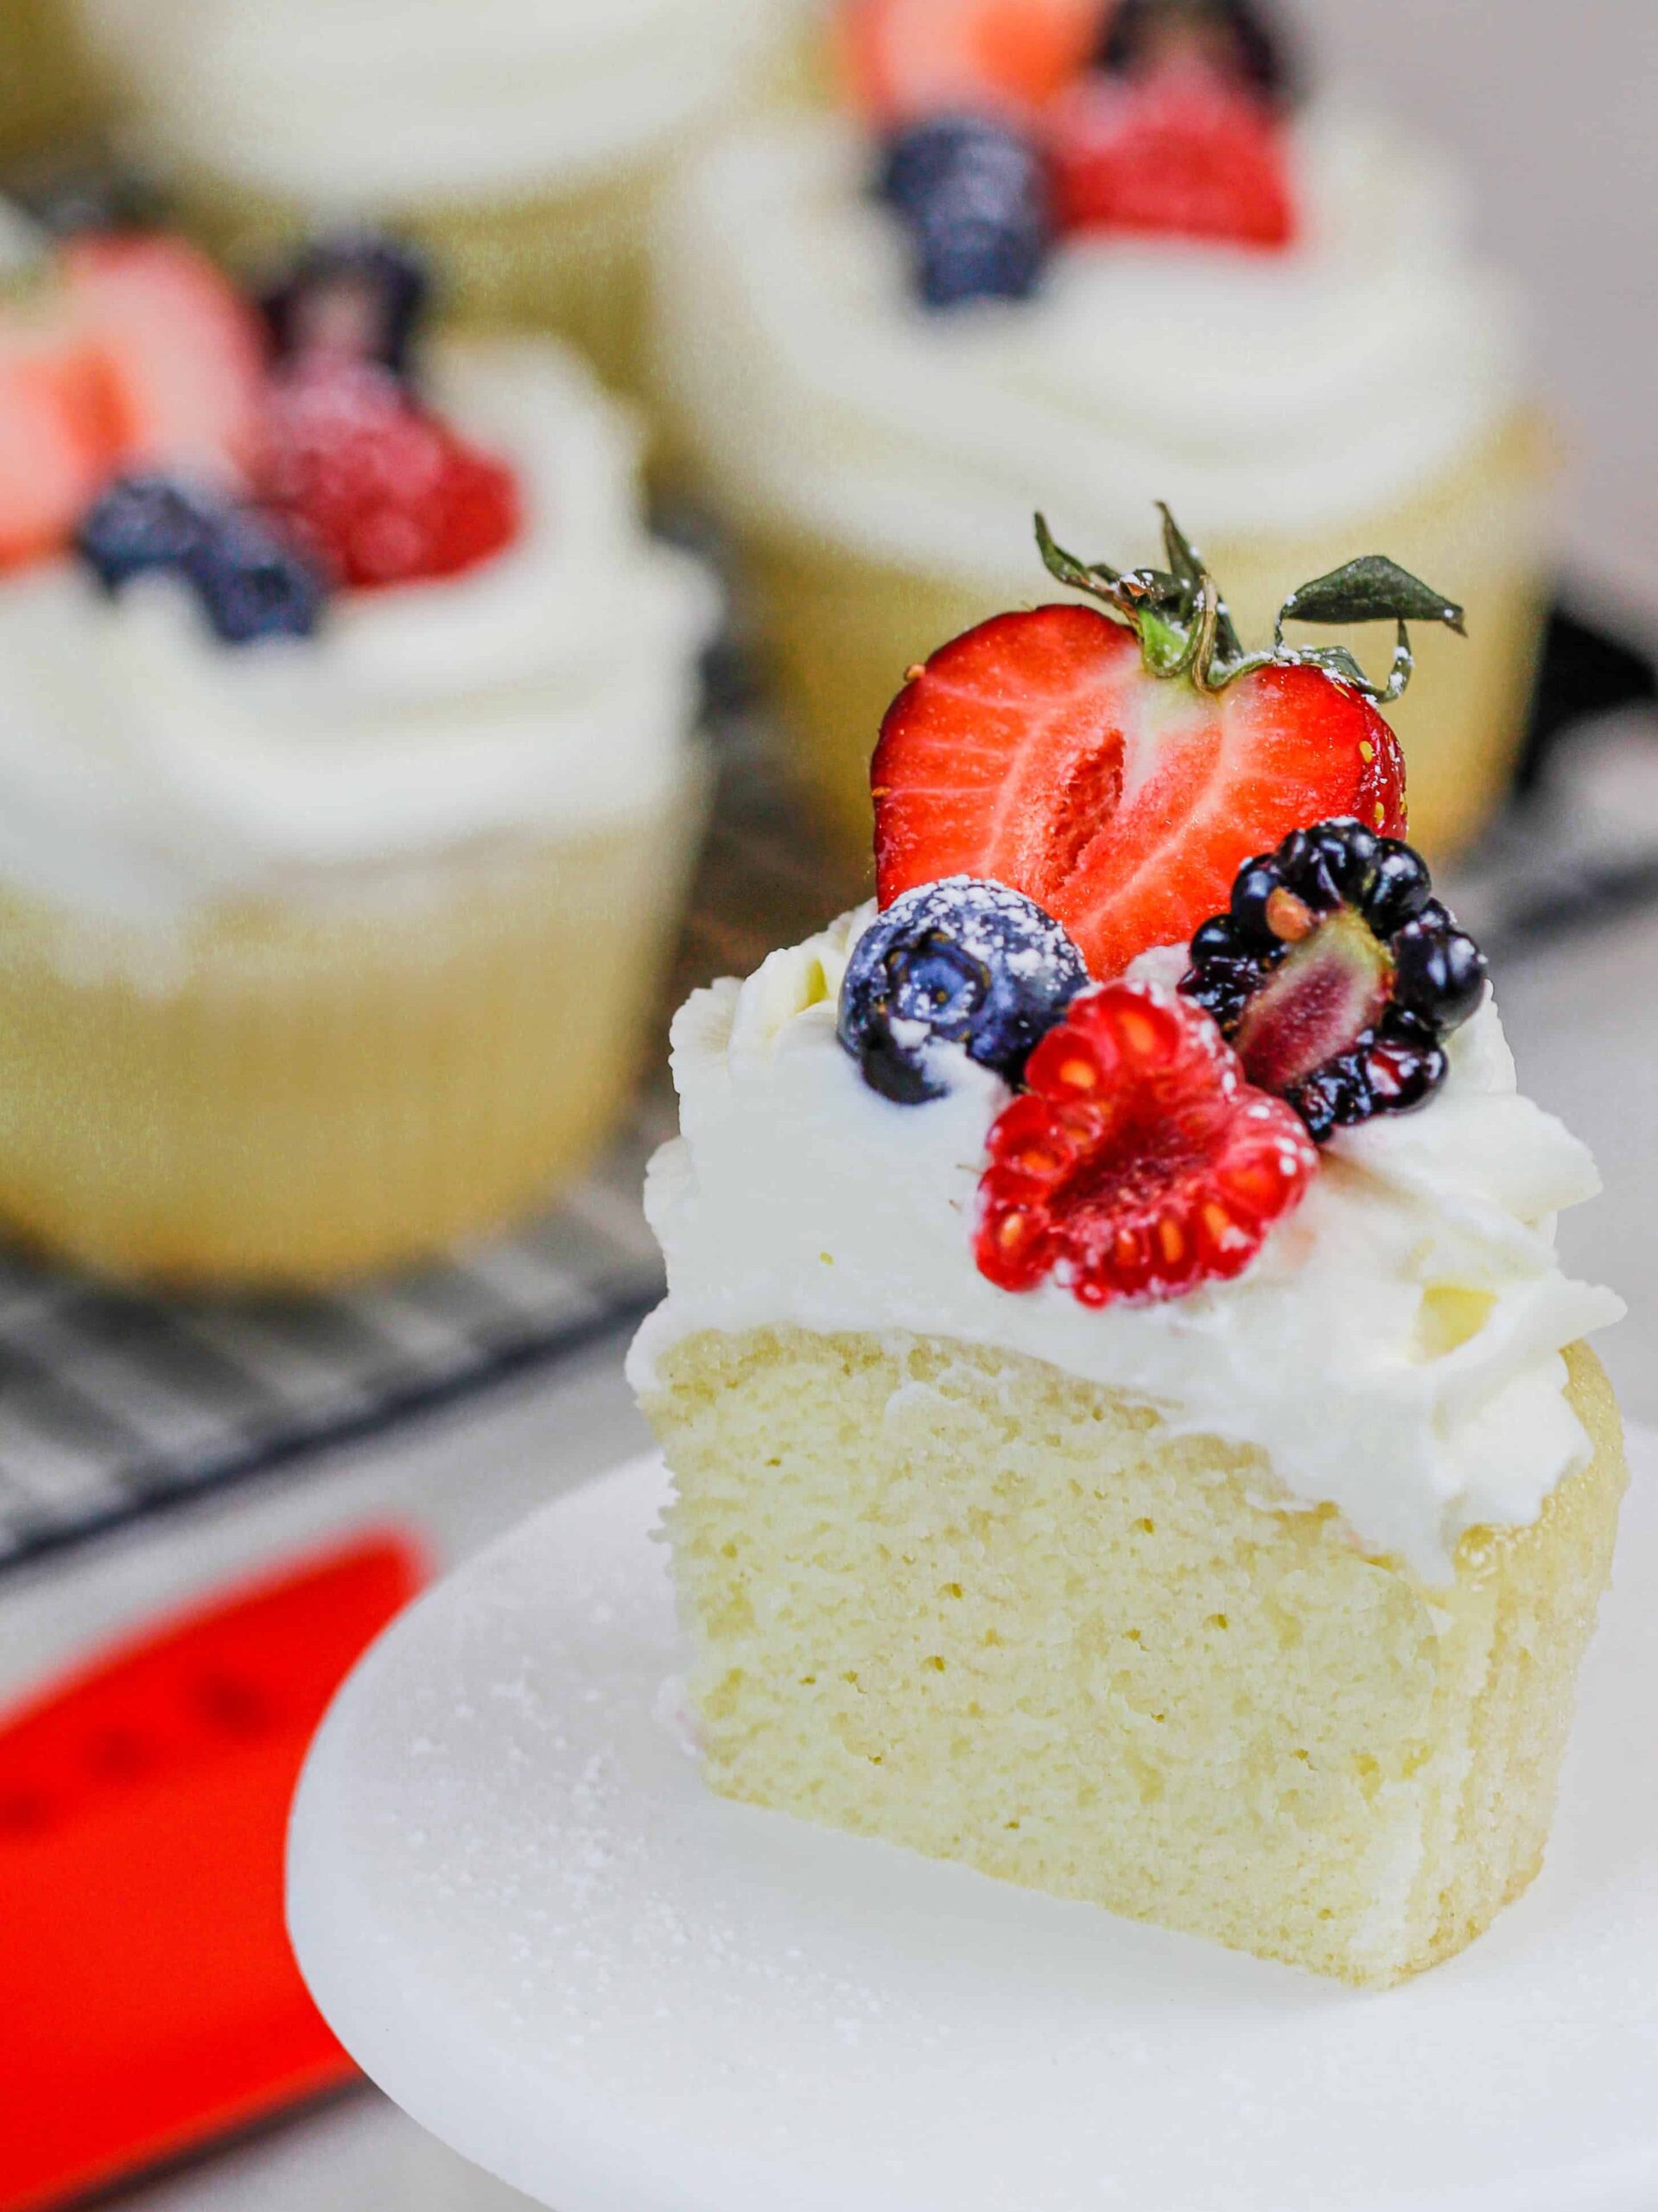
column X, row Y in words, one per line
column 1185, row 629
column 1370, row 589
column 1079, row 575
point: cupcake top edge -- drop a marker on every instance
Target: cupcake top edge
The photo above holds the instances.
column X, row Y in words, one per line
column 293, row 591
column 401, row 109
column 939, row 345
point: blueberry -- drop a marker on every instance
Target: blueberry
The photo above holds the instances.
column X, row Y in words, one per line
column 141, row 523
column 919, row 161
column 960, row 962
column 357, row 293
column 253, row 583
column 974, row 194
column 963, row 254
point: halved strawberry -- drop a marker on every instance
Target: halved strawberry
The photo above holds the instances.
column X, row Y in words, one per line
column 1179, row 153
column 1039, row 751
column 60, row 421
column 916, row 57
column 185, row 351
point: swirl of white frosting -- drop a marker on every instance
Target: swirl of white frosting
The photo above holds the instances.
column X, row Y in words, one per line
column 1393, row 1350
column 388, row 103
column 146, row 768
column 1253, row 391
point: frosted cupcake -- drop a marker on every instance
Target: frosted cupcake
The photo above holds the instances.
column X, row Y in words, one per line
column 1128, row 268
column 1131, row 1431
column 519, row 141
column 345, row 798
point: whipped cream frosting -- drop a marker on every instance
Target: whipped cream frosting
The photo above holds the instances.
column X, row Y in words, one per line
column 1393, row 1350
column 377, row 105
column 147, row 768
column 1254, row 392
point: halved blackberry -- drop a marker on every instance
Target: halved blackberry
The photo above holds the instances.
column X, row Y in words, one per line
column 1242, row 38
column 360, row 293
column 1337, row 974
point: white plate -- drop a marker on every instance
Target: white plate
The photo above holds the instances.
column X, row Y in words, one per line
column 527, row 1919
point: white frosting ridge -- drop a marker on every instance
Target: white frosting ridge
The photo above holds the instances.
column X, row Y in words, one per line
column 389, row 104
column 1254, row 393
column 146, row 767
column 1395, row 1350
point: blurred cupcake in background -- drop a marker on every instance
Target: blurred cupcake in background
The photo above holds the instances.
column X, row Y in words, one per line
column 520, row 142
column 347, row 780
column 1081, row 257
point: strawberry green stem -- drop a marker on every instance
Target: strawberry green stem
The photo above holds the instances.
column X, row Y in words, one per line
column 1181, row 620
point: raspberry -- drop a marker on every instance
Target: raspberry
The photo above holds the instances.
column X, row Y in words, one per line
column 1140, row 1163
column 1180, row 154
column 378, row 488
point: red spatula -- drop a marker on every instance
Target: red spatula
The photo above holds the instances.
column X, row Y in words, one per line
column 147, row 1997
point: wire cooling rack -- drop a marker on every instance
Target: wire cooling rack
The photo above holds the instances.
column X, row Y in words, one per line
column 115, row 1405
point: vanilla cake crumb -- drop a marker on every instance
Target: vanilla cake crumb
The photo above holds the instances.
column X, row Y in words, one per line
column 950, row 1596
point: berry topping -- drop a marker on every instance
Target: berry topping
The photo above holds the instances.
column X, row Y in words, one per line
column 1234, row 39
column 60, row 433
column 960, row 963
column 249, row 579
column 356, row 294
column 1182, row 152
column 1140, row 1163
column 917, row 57
column 973, row 193
column 183, row 350
column 253, row 583
column 378, row 488
column 1337, row 975
column 1119, row 766
column 139, row 523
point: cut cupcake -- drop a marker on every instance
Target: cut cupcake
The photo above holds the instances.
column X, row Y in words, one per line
column 1080, row 256
column 1130, row 1431
column 522, row 146
column 347, row 783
